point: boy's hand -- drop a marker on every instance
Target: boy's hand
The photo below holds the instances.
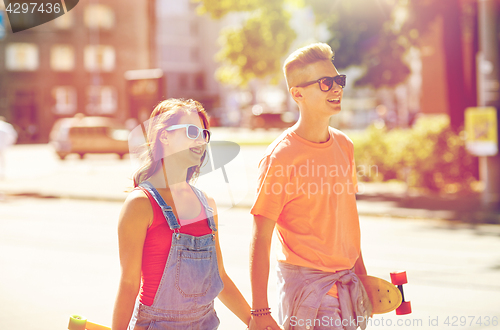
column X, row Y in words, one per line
column 263, row 323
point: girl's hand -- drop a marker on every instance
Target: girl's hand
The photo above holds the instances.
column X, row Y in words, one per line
column 263, row 323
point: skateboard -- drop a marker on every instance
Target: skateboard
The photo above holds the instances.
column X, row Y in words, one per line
column 386, row 297
column 78, row 322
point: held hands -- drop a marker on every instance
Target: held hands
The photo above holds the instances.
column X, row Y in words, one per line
column 265, row 322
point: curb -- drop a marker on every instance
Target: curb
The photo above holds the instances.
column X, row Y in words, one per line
column 477, row 217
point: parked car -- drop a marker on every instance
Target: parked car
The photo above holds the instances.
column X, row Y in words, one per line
column 263, row 116
column 83, row 135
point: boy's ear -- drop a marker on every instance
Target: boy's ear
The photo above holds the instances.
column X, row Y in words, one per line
column 296, row 93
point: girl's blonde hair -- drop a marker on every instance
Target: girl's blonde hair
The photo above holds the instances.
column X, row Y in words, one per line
column 165, row 114
column 302, row 57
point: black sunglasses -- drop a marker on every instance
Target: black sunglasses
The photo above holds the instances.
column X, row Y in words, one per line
column 326, row 83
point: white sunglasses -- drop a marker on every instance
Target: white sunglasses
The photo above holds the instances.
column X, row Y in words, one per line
column 192, row 131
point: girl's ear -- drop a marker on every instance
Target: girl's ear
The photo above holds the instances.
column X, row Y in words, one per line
column 164, row 137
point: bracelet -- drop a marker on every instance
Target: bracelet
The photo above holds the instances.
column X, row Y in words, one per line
column 260, row 312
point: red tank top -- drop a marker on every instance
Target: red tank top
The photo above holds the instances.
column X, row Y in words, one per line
column 157, row 247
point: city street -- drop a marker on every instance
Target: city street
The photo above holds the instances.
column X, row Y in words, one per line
column 59, row 256
column 413, row 84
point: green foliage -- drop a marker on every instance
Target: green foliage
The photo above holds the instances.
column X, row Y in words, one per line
column 373, row 34
column 429, row 155
column 364, row 33
column 220, row 8
column 255, row 49
column 376, row 34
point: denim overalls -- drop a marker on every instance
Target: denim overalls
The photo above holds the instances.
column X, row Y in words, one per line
column 190, row 281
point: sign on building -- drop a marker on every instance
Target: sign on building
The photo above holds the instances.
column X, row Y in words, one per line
column 482, row 131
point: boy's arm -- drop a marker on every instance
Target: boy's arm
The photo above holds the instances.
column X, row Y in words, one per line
column 359, row 266
column 260, row 248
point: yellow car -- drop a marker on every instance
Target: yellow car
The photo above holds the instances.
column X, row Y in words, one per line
column 84, row 135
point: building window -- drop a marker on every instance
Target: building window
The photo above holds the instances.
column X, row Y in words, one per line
column 99, row 58
column 21, row 57
column 99, row 16
column 194, row 28
column 64, row 99
column 177, row 53
column 195, row 54
column 183, row 81
column 65, row 22
column 173, row 7
column 102, row 100
column 62, row 58
column 199, row 81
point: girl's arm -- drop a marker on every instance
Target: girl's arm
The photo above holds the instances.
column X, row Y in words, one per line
column 135, row 217
column 230, row 295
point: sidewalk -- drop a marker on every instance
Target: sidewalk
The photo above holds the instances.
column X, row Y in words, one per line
column 33, row 170
column 393, row 199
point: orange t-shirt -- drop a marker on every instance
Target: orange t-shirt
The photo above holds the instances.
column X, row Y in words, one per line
column 309, row 190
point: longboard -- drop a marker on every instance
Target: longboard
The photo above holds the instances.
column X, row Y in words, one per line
column 385, row 296
column 78, row 322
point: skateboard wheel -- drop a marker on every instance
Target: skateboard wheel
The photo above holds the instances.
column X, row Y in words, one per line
column 77, row 322
column 399, row 278
column 404, row 308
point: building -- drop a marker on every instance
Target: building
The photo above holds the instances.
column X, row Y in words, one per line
column 186, row 45
column 74, row 64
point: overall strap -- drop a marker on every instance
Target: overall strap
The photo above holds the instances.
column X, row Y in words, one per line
column 209, row 210
column 167, row 210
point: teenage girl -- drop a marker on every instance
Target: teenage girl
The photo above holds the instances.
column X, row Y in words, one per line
column 168, row 240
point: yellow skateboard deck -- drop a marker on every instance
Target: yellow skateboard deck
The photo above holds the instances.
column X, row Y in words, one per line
column 78, row 322
column 384, row 296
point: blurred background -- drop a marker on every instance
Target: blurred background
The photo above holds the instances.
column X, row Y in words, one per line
column 420, row 106
column 413, row 67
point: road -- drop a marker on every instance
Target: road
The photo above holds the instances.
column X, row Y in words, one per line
column 58, row 256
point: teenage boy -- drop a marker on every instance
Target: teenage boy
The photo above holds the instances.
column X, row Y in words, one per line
column 306, row 190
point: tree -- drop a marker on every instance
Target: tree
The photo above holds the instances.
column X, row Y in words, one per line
column 256, row 49
column 367, row 34
column 362, row 33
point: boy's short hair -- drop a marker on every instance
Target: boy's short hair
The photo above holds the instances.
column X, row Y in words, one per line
column 302, row 57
